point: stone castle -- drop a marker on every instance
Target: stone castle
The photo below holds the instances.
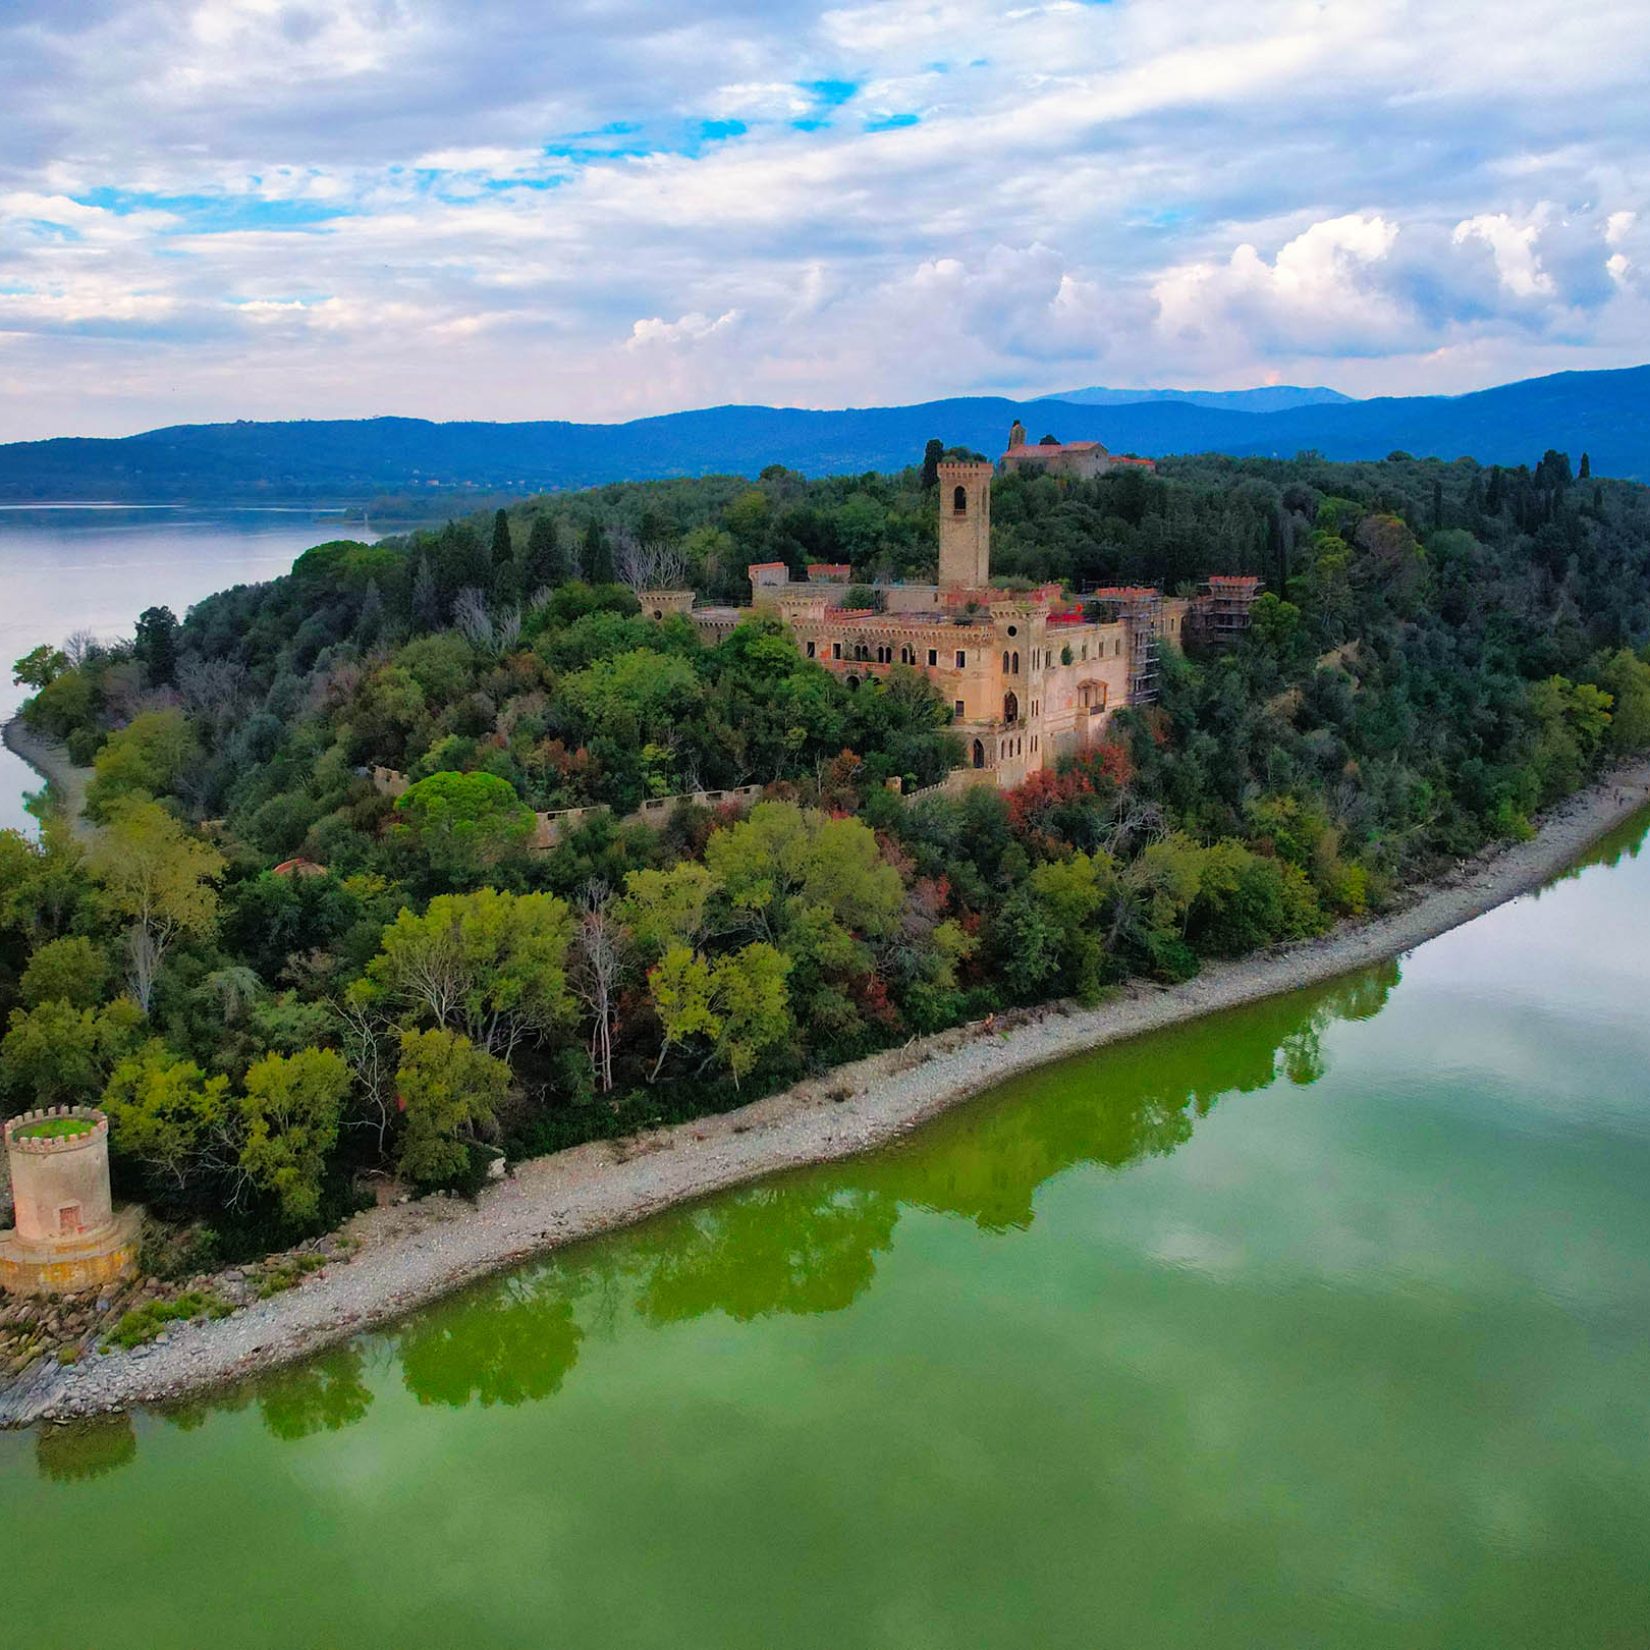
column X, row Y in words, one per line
column 1031, row 676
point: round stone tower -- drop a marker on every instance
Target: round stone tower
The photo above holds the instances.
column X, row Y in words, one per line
column 68, row 1237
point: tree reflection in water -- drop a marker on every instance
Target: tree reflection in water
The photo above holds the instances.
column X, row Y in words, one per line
column 515, row 1340
column 804, row 1243
column 85, row 1449
column 322, row 1395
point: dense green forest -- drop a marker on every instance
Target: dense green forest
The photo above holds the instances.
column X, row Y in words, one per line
column 1444, row 649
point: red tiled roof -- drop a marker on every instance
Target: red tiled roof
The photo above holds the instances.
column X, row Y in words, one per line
column 763, row 566
column 1045, row 450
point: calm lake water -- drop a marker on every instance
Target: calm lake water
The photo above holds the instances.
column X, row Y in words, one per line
column 91, row 567
column 1324, row 1323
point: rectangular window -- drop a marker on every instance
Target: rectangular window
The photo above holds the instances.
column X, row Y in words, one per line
column 933, row 655
column 962, row 658
column 957, row 707
column 810, row 650
column 836, row 650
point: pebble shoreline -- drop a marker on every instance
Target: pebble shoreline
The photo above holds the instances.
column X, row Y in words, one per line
column 410, row 1256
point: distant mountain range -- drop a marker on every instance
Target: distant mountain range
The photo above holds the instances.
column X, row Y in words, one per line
column 1604, row 413
column 1266, row 398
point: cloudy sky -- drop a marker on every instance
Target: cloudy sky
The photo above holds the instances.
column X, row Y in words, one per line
column 602, row 208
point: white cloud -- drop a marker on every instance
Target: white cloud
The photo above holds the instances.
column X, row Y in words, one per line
column 475, row 210
column 1514, row 248
column 685, row 329
column 1324, row 289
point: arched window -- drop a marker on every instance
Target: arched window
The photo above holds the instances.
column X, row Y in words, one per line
column 1005, row 664
column 1011, row 707
column 959, row 501
column 979, row 749
column 1016, row 658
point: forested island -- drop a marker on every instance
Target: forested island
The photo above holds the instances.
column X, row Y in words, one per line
column 279, row 979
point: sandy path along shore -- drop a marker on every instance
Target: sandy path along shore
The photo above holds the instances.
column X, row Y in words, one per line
column 51, row 761
column 412, row 1255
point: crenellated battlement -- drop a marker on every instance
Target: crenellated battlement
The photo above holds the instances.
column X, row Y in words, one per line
column 19, row 1137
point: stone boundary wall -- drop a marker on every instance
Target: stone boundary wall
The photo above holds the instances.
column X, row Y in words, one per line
column 956, row 783
column 551, row 825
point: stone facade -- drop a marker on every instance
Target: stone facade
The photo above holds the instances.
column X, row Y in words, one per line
column 1030, row 676
column 68, row 1236
column 1076, row 460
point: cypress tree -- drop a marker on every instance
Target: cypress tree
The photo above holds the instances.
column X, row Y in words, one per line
column 931, row 456
column 426, row 599
column 544, row 566
column 598, row 556
column 1586, row 470
column 503, row 560
column 370, row 620
column 156, row 645
column 461, row 560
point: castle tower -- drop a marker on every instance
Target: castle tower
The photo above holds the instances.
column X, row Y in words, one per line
column 965, row 526
column 68, row 1236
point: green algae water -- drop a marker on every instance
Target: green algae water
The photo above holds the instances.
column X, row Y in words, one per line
column 1321, row 1323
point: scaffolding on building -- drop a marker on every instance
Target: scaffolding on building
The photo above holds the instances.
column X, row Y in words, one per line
column 1139, row 608
column 1226, row 607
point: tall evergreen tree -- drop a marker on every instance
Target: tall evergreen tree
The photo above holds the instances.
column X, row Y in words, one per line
column 1586, row 470
column 426, row 598
column 156, row 645
column 931, row 456
column 598, row 555
column 505, row 580
column 544, row 566
column 370, row 620
column 461, row 561
column 1437, row 501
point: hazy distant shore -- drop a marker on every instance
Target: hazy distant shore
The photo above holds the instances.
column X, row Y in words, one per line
column 411, row 1255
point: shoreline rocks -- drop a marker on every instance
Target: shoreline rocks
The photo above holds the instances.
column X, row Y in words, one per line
column 410, row 1254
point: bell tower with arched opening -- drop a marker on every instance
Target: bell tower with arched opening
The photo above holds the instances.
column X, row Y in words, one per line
column 965, row 526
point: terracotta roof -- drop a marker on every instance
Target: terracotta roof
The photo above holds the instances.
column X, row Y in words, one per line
column 1044, row 450
column 300, row 868
column 763, row 566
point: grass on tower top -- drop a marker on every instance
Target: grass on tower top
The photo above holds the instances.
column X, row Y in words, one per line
column 54, row 1128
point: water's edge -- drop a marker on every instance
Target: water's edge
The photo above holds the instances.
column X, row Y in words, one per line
column 606, row 1185
column 66, row 783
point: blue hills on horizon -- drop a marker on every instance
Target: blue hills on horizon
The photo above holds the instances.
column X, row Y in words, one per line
column 1604, row 413
column 1263, row 398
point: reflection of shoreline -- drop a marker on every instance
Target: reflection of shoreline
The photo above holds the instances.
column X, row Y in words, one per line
column 51, row 761
column 801, row 1244
column 605, row 1185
